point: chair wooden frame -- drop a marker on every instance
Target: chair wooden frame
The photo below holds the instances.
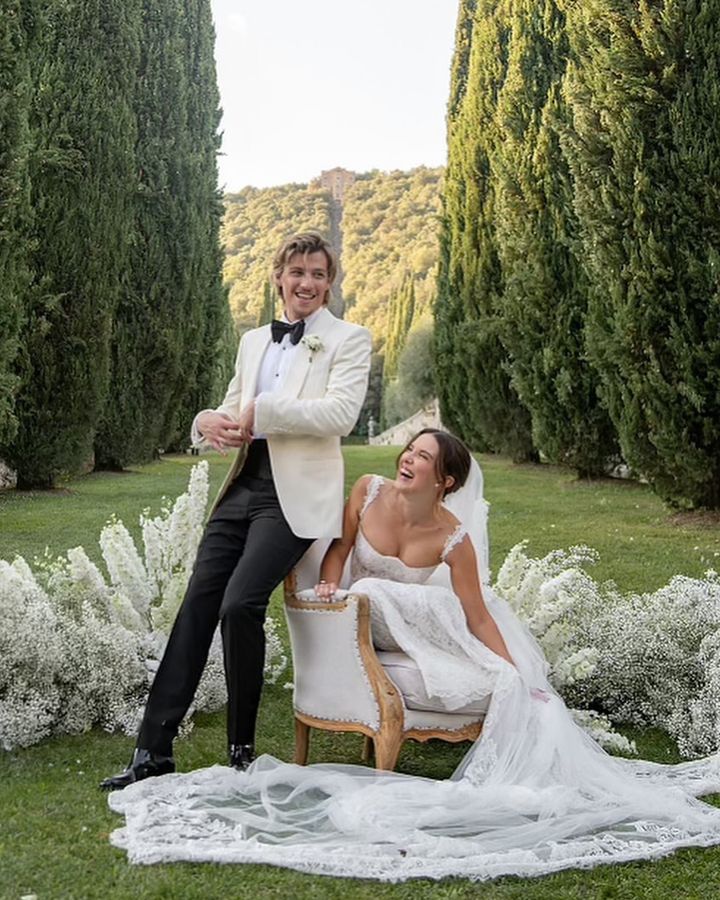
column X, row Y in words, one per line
column 397, row 724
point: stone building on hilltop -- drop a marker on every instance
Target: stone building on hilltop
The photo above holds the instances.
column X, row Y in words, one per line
column 337, row 181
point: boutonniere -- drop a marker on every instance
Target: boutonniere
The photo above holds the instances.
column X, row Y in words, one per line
column 313, row 343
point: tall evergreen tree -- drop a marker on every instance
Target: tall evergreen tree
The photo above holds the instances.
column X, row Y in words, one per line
column 413, row 387
column 170, row 324
column 646, row 163
column 83, row 133
column 474, row 388
column 401, row 309
column 270, row 301
column 208, row 331
column 17, row 33
column 544, row 284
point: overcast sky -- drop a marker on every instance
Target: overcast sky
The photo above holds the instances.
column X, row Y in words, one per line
column 360, row 85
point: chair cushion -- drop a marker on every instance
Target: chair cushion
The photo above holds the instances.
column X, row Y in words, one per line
column 406, row 676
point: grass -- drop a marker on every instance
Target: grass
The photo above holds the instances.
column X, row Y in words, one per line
column 55, row 822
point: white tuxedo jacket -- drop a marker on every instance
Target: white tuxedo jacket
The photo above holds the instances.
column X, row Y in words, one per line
column 319, row 401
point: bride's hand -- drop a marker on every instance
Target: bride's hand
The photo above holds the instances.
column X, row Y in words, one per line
column 540, row 694
column 325, row 590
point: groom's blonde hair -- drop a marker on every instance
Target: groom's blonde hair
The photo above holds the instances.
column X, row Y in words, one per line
column 304, row 243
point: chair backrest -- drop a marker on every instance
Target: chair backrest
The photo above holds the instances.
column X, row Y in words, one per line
column 331, row 680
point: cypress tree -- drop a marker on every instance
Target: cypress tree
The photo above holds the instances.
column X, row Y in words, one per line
column 544, row 285
column 413, row 387
column 173, row 316
column 208, row 333
column 81, row 169
column 401, row 309
column 646, row 163
column 476, row 396
column 270, row 299
column 17, row 31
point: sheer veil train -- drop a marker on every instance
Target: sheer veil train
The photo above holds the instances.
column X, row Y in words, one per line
column 532, row 796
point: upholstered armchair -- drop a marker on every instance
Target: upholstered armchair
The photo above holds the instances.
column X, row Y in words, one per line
column 343, row 684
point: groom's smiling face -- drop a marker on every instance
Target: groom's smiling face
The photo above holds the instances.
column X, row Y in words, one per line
column 304, row 284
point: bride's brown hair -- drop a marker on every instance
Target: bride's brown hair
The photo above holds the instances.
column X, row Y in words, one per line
column 453, row 459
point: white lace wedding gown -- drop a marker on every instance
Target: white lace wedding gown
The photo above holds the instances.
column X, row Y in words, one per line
column 533, row 795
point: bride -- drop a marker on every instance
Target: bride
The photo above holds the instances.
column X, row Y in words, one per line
column 532, row 796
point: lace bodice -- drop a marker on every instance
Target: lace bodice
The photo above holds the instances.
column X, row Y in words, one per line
column 368, row 563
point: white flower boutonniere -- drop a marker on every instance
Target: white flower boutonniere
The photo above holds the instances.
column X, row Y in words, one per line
column 313, row 343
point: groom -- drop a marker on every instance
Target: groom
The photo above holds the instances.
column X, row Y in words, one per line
column 298, row 387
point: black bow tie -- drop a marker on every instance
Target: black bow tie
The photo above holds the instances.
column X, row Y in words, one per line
column 280, row 329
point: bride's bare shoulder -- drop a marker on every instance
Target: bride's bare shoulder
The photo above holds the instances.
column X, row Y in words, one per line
column 362, row 487
column 364, row 481
column 449, row 520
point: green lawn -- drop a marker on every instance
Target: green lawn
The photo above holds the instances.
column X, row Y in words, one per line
column 55, row 822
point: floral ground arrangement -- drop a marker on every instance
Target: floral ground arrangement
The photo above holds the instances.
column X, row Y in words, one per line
column 80, row 637
column 79, row 647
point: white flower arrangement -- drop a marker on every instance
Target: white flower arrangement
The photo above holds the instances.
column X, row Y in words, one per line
column 313, row 343
column 643, row 659
column 77, row 650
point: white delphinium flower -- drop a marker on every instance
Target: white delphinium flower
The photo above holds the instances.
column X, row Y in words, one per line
column 553, row 595
column 550, row 595
column 511, row 571
column 128, row 575
column 73, row 580
column 575, row 667
column 171, row 541
column 77, row 651
column 212, row 691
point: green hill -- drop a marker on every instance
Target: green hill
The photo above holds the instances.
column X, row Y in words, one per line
column 390, row 228
column 389, row 233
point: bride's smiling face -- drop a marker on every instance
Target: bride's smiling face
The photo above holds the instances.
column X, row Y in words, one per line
column 418, row 465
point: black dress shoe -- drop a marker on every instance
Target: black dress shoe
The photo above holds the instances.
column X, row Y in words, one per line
column 241, row 755
column 144, row 764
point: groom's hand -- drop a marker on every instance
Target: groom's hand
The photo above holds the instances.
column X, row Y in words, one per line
column 221, row 431
column 246, row 422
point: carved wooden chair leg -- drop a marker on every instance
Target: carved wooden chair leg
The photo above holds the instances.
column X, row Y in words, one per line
column 387, row 749
column 302, row 741
column 367, row 750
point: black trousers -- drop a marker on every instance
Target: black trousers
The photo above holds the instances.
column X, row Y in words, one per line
column 246, row 551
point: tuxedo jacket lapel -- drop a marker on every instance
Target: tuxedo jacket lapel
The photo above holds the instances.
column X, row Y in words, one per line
column 257, row 344
column 302, row 360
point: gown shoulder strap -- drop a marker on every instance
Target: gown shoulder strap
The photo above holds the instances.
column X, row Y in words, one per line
column 453, row 540
column 373, row 489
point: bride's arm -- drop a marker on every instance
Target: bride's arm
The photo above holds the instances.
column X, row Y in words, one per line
column 466, row 585
column 334, row 560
